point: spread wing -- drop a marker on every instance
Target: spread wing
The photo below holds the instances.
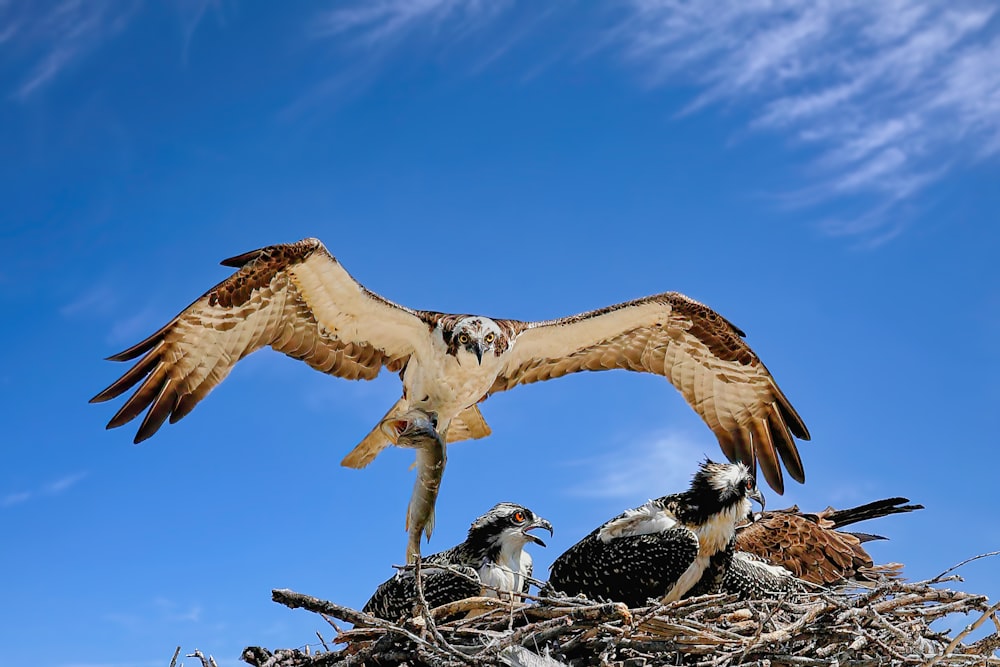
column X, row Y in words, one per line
column 699, row 351
column 294, row 297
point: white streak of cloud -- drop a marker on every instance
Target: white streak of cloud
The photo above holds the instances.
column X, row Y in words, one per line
column 16, row 498
column 47, row 38
column 887, row 91
column 380, row 21
column 62, row 484
column 97, row 300
column 53, row 488
column 649, row 467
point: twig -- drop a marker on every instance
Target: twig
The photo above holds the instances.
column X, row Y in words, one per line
column 205, row 662
column 963, row 634
column 425, row 612
column 964, row 562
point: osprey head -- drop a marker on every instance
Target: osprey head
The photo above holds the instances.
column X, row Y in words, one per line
column 718, row 487
column 506, row 524
column 477, row 336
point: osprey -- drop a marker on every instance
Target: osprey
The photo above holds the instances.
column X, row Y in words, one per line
column 297, row 299
column 490, row 562
column 668, row 548
column 810, row 546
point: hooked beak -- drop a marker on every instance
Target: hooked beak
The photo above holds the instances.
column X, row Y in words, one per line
column 758, row 496
column 478, row 348
column 537, row 523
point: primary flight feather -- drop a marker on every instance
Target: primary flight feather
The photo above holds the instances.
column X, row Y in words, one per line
column 297, row 299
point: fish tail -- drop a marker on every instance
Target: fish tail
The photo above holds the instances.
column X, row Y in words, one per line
column 429, row 526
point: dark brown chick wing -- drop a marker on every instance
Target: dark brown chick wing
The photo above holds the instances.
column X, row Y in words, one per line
column 811, row 552
column 700, row 352
column 294, row 297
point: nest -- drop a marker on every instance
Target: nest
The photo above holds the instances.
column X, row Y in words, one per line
column 888, row 623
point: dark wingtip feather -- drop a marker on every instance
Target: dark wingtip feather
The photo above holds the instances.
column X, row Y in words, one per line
column 767, row 457
column 141, row 399
column 140, row 348
column 785, row 444
column 872, row 510
column 158, row 413
column 129, row 379
column 868, row 537
column 237, row 261
column 792, row 418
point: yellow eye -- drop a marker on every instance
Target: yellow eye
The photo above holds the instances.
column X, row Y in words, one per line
column 489, row 337
column 519, row 517
column 463, row 338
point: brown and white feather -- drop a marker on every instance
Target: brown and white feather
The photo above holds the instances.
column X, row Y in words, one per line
column 295, row 298
column 811, row 547
column 702, row 354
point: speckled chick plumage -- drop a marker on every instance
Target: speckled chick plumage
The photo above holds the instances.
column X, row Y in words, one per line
column 492, row 556
column 669, row 548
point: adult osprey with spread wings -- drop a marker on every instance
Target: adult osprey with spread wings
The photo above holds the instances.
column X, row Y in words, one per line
column 299, row 300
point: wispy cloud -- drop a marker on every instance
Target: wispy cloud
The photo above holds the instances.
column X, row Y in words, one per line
column 889, row 93
column 99, row 299
column 191, row 13
column 47, row 38
column 171, row 611
column 648, row 467
column 888, row 97
column 52, row 488
column 379, row 21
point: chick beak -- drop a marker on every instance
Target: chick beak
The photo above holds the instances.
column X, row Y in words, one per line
column 758, row 496
column 537, row 523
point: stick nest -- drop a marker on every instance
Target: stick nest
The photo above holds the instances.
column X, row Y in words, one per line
column 888, row 624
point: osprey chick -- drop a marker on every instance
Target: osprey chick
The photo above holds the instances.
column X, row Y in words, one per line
column 665, row 549
column 297, row 299
column 491, row 557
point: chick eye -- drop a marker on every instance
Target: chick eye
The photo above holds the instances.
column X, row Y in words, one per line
column 750, row 484
column 489, row 337
column 519, row 517
column 463, row 338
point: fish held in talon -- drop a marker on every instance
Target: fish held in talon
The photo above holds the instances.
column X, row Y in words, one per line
column 418, row 430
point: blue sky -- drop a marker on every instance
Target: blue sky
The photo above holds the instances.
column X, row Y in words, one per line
column 825, row 178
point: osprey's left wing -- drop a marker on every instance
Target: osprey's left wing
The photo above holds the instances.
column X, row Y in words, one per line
column 294, row 297
column 699, row 351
